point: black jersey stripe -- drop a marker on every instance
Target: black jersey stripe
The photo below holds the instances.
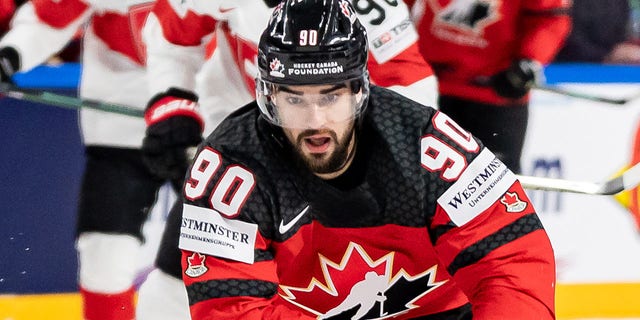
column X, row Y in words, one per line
column 205, row 290
column 262, row 255
column 560, row 11
column 460, row 313
column 480, row 249
column 225, row 288
column 435, row 233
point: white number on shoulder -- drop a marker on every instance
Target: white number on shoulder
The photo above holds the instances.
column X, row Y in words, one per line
column 438, row 156
column 229, row 193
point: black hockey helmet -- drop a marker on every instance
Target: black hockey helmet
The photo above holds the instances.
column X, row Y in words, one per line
column 312, row 42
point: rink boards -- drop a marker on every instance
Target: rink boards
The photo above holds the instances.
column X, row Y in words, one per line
column 574, row 301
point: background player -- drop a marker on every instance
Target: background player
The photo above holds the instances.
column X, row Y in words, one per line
column 117, row 190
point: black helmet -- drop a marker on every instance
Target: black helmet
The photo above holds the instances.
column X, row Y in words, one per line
column 312, row 42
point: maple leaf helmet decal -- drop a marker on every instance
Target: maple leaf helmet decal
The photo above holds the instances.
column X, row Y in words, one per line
column 312, row 42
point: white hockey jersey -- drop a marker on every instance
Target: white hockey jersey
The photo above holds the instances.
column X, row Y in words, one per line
column 112, row 59
column 217, row 40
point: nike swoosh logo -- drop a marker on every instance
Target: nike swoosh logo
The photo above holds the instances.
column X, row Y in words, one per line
column 224, row 10
column 285, row 227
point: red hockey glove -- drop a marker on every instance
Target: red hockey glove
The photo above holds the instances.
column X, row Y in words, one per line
column 518, row 79
column 9, row 63
column 173, row 125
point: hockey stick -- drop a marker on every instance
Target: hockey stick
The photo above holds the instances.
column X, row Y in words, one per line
column 58, row 100
column 558, row 90
column 486, row 81
column 629, row 179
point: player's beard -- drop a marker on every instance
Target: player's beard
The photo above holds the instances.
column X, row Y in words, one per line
column 317, row 163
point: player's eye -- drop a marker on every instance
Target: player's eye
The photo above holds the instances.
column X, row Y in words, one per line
column 294, row 100
column 329, row 99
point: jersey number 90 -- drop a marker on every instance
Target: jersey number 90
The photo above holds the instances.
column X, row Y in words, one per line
column 438, row 156
column 230, row 191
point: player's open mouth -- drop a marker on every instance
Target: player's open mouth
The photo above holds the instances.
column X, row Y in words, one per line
column 317, row 144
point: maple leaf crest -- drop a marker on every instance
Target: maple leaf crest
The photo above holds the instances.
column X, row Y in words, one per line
column 196, row 259
column 277, row 68
column 358, row 287
column 196, row 266
column 466, row 15
column 512, row 202
column 509, row 198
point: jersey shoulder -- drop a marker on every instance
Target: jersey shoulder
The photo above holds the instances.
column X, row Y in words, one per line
column 245, row 146
column 393, row 113
column 455, row 170
column 445, row 163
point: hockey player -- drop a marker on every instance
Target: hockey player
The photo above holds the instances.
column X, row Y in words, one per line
column 487, row 56
column 328, row 197
column 213, row 40
column 192, row 47
column 177, row 35
column 117, row 189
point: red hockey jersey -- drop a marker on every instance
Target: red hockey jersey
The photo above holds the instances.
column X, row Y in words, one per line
column 467, row 41
column 425, row 222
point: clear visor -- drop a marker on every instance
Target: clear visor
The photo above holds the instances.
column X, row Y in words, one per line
column 311, row 106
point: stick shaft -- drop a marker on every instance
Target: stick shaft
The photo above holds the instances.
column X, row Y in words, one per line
column 628, row 180
column 486, row 81
column 67, row 102
column 560, row 185
column 584, row 95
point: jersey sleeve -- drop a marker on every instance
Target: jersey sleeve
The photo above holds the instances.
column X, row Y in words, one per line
column 176, row 34
column 7, row 9
column 228, row 269
column 395, row 61
column 546, row 25
column 41, row 28
column 485, row 229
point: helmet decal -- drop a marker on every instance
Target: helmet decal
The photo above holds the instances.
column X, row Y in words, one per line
column 315, row 68
column 277, row 69
column 347, row 10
